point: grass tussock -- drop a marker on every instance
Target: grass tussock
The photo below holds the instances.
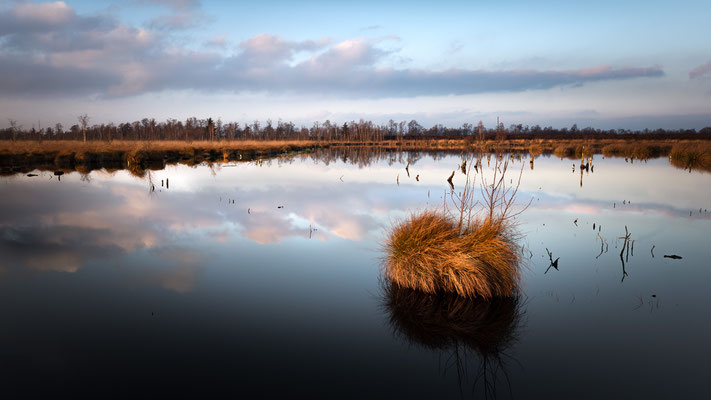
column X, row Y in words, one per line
column 535, row 150
column 431, row 253
column 690, row 156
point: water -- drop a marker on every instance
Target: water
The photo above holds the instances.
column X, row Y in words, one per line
column 107, row 286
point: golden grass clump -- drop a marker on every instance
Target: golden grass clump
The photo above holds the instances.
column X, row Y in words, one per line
column 691, row 156
column 431, row 253
column 535, row 149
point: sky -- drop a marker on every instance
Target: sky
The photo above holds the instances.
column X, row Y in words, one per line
column 634, row 65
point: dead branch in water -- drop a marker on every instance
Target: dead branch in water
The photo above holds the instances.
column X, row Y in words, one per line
column 602, row 246
column 554, row 264
column 625, row 245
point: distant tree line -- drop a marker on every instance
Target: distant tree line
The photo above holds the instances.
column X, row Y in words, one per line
column 194, row 129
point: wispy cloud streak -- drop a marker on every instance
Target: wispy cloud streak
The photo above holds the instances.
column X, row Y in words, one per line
column 700, row 71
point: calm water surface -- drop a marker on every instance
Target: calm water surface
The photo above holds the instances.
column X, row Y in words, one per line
column 264, row 279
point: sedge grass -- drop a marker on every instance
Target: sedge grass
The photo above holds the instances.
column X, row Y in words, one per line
column 431, row 253
column 691, row 156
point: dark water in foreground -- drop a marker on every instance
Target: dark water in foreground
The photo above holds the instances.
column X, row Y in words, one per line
column 208, row 285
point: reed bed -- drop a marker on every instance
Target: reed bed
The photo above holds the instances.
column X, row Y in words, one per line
column 430, row 252
column 30, row 148
column 69, row 155
column 637, row 150
column 560, row 147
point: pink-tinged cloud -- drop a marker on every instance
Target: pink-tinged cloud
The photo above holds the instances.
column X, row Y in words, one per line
column 61, row 261
column 48, row 13
column 700, row 71
column 584, row 208
column 176, row 4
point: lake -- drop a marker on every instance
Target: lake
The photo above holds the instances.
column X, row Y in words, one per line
column 264, row 279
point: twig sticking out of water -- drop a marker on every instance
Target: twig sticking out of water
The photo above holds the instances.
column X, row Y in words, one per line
column 602, row 246
column 652, row 251
column 625, row 245
column 554, row 264
column 449, row 180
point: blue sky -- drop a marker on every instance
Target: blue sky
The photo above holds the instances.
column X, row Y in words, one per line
column 601, row 64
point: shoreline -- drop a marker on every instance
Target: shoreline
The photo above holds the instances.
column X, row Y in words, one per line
column 26, row 156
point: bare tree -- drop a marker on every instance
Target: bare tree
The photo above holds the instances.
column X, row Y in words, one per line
column 211, row 129
column 13, row 128
column 83, row 120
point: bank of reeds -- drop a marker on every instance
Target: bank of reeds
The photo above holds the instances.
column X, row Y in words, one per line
column 25, row 156
column 640, row 151
column 68, row 155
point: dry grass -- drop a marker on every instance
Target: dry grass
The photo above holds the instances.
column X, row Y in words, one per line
column 135, row 156
column 535, row 149
column 691, row 156
column 638, row 150
column 428, row 252
column 573, row 148
column 447, row 321
column 28, row 147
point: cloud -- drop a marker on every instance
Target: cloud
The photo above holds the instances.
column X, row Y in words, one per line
column 48, row 49
column 176, row 4
column 32, row 17
column 216, row 41
column 265, row 50
column 700, row 71
column 370, row 28
column 186, row 14
column 178, row 21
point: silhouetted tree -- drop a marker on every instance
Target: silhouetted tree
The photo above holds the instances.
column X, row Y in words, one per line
column 83, row 120
column 13, row 128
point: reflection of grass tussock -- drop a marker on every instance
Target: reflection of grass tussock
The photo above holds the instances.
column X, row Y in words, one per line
column 444, row 320
column 695, row 156
column 428, row 252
